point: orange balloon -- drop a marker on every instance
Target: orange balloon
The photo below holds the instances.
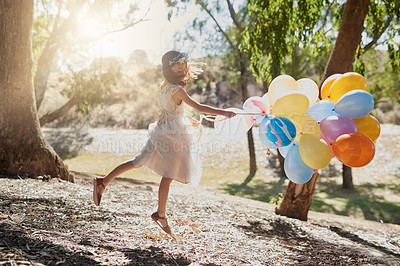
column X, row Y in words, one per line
column 354, row 149
column 369, row 126
column 347, row 82
column 326, row 86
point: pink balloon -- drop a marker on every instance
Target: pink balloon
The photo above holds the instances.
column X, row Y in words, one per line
column 329, row 144
column 336, row 125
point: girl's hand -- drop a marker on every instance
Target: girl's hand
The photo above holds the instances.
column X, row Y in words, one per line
column 229, row 114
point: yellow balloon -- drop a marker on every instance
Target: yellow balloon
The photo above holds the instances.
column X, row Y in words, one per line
column 326, row 86
column 293, row 103
column 369, row 126
column 314, row 151
column 305, row 124
column 347, row 82
column 279, row 86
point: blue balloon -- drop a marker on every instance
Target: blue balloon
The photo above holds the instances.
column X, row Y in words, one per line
column 321, row 110
column 284, row 150
column 355, row 104
column 263, row 134
column 281, row 131
column 296, row 170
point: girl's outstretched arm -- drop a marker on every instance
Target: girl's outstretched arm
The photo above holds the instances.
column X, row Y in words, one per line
column 202, row 108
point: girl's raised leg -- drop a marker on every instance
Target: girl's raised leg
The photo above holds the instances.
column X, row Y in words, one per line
column 99, row 184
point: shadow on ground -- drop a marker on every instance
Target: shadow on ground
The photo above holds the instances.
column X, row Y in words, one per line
column 63, row 219
column 363, row 200
column 303, row 245
column 27, row 250
column 366, row 199
column 258, row 189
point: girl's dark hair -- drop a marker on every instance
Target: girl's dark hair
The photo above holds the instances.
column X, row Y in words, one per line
column 169, row 75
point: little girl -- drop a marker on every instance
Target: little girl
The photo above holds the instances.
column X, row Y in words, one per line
column 171, row 149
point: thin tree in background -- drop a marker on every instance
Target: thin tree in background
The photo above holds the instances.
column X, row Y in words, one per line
column 232, row 36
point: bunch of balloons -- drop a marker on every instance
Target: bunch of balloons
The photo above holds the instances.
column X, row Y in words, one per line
column 307, row 131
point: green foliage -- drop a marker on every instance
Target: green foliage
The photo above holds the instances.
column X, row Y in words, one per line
column 285, row 36
column 383, row 83
column 277, row 27
column 383, row 28
column 276, row 200
column 383, row 24
column 394, row 55
column 215, row 31
column 358, row 64
column 90, row 86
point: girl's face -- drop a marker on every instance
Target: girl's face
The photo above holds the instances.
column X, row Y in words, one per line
column 180, row 70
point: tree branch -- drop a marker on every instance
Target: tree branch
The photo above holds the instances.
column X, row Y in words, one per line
column 376, row 38
column 57, row 19
column 305, row 65
column 233, row 16
column 234, row 48
column 110, row 32
column 50, row 117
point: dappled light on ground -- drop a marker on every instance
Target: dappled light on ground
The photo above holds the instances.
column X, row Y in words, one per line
column 56, row 222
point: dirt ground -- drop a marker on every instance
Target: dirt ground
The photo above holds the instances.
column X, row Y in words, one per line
column 55, row 223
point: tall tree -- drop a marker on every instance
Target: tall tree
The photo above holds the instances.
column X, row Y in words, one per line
column 297, row 200
column 23, row 150
column 301, row 19
column 282, row 25
column 231, row 35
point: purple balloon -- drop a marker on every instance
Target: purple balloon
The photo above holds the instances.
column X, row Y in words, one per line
column 336, row 125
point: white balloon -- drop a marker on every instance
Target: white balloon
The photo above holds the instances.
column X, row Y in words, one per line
column 309, row 88
column 255, row 104
column 279, row 86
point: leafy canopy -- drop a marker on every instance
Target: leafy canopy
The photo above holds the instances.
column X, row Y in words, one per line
column 277, row 27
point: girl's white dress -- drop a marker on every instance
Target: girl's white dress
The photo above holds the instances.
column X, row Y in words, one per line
column 171, row 149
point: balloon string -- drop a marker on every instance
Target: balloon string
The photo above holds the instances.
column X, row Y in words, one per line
column 212, row 117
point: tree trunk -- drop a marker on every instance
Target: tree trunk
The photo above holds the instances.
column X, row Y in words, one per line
column 349, row 38
column 250, row 139
column 46, row 60
column 281, row 164
column 23, row 150
column 342, row 56
column 297, row 200
column 347, row 177
column 252, row 155
column 44, row 67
